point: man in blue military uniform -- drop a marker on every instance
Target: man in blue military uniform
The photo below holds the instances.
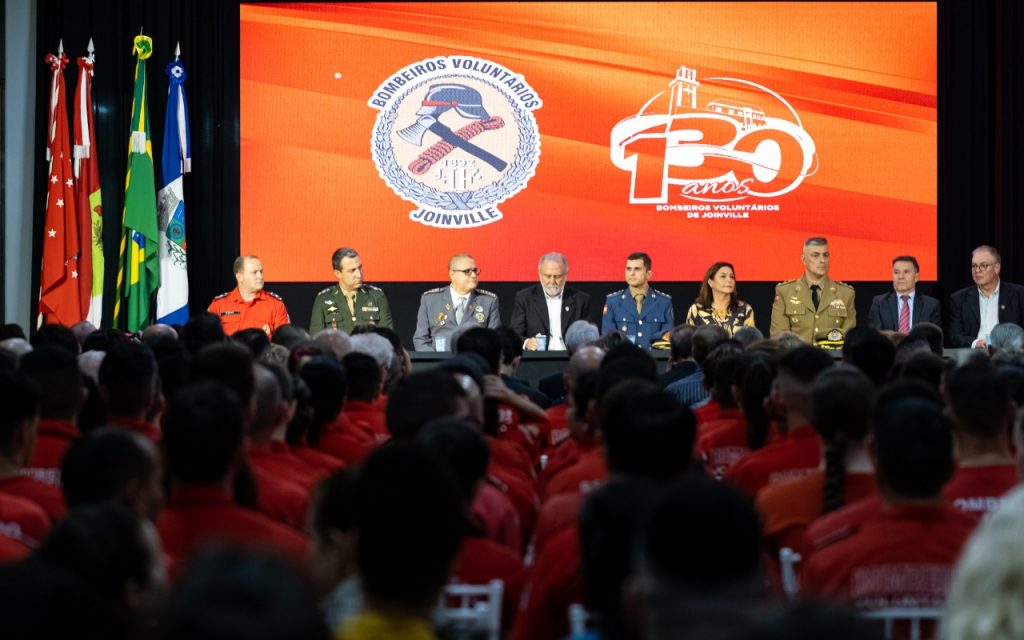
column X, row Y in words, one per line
column 639, row 312
column 446, row 310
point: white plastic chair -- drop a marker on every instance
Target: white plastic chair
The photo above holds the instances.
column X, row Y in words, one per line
column 578, row 619
column 788, row 560
column 472, row 608
column 915, row 616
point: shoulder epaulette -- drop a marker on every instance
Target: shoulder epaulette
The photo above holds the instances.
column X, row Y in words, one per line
column 323, row 291
column 787, row 282
column 843, row 284
column 485, row 292
column 437, row 290
column 221, row 295
column 661, row 293
column 372, row 288
column 271, row 293
column 615, row 293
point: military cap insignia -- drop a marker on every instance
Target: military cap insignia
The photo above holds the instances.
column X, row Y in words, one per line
column 833, row 340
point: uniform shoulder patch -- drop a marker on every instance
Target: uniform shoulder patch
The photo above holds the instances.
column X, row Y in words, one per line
column 223, row 295
column 325, row 291
column 372, row 288
column 437, row 290
column 485, row 292
column 615, row 293
column 274, row 295
column 787, row 282
column 661, row 293
column 843, row 284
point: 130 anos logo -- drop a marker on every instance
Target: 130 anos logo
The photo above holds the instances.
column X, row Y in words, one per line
column 456, row 137
column 728, row 150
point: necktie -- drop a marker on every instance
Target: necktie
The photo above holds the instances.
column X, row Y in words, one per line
column 905, row 314
column 459, row 309
column 815, row 298
column 639, row 301
column 351, row 304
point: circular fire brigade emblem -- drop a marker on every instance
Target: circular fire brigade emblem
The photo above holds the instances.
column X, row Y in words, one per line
column 455, row 136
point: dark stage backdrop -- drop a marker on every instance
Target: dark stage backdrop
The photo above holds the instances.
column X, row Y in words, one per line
column 980, row 81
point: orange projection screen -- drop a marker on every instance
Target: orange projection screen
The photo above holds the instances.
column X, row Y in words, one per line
column 694, row 131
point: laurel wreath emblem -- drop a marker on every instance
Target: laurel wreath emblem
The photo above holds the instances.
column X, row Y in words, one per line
column 521, row 169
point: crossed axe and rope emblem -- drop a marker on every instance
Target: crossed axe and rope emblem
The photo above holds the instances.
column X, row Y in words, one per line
column 468, row 103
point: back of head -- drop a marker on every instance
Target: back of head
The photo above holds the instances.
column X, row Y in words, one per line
column 931, row 333
column 255, row 340
column 511, row 345
column 228, row 363
column 103, row 339
column 201, row 329
column 104, row 546
column 747, row 336
column 706, row 338
column 328, row 383
column 402, row 562
column 803, row 364
column 19, row 398
column 580, row 333
column 128, row 379
column 700, row 538
column 980, row 400
column 269, row 395
column 840, row 407
column 483, row 341
column 754, row 378
column 462, row 448
column 419, row 398
column 720, row 370
column 334, row 341
column 55, row 370
column 234, row 594
column 913, row 446
column 681, row 342
column 105, row 465
column 925, row 367
column 622, row 362
column 202, row 432
column 56, row 335
column 870, row 351
column 1013, row 373
column 587, row 358
column 333, row 504
column 364, row 376
column 375, row 346
column 289, row 335
column 647, row 432
column 1007, row 336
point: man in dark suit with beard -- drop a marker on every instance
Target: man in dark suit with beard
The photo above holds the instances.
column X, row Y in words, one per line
column 547, row 309
column 903, row 307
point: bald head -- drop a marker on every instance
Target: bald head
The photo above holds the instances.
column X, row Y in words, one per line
column 336, row 340
column 586, row 358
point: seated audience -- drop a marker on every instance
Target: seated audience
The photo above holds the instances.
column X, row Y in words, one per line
column 56, row 372
column 130, row 388
column 332, row 564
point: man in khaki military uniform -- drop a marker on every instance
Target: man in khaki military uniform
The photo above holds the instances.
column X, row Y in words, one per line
column 813, row 307
column 351, row 301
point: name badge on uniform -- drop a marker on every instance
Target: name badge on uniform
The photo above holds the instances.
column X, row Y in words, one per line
column 230, row 313
column 370, row 309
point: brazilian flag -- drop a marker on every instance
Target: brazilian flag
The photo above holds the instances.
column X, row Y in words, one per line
column 138, row 274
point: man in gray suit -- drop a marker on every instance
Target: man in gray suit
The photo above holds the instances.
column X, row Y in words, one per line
column 445, row 310
column 903, row 307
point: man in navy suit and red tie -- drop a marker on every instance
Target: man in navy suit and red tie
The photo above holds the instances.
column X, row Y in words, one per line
column 975, row 310
column 903, row 307
column 548, row 308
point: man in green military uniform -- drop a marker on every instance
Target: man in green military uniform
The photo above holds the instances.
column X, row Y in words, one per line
column 813, row 307
column 350, row 302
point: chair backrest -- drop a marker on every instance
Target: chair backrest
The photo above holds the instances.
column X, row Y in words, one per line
column 913, row 616
column 788, row 560
column 472, row 610
column 578, row 619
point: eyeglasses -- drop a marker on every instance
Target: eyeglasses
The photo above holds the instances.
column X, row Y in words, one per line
column 981, row 267
column 468, row 272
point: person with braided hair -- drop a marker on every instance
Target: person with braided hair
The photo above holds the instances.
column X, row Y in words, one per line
column 840, row 406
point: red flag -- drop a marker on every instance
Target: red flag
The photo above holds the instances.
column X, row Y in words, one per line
column 59, row 300
column 87, row 195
